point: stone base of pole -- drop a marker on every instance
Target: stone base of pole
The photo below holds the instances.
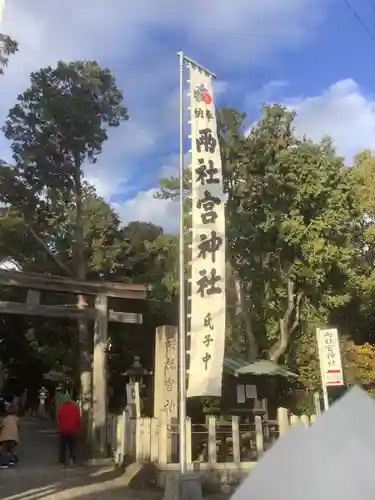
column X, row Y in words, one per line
column 183, row 487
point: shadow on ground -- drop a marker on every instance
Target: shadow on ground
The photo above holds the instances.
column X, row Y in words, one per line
column 39, row 477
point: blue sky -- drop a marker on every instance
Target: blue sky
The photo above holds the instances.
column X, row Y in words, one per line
column 312, row 55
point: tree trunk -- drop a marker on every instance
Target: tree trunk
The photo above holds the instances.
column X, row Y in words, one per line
column 84, row 338
column 252, row 346
column 65, row 269
column 288, row 323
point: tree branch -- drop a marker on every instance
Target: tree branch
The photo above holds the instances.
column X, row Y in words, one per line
column 39, row 240
column 294, row 305
column 298, row 312
column 65, row 269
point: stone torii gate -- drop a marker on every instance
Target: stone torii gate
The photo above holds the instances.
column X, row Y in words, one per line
column 36, row 284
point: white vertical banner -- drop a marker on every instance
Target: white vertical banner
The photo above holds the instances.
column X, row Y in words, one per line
column 208, row 308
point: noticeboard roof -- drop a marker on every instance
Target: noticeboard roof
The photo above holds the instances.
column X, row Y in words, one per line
column 237, row 365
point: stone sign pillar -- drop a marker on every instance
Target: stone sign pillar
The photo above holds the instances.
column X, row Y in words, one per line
column 166, row 380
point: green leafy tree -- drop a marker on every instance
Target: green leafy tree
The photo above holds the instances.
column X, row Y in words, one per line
column 8, row 47
column 101, row 232
column 291, row 214
column 58, row 125
column 358, row 319
column 137, row 252
column 149, row 256
column 53, row 343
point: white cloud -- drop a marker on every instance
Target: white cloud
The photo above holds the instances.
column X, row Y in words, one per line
column 266, row 94
column 220, row 87
column 130, row 37
column 216, row 32
column 342, row 111
column 145, row 207
column 171, row 166
column 125, row 143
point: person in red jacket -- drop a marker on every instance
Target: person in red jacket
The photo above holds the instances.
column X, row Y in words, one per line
column 69, row 420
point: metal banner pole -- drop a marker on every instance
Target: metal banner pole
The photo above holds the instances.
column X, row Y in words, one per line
column 182, row 332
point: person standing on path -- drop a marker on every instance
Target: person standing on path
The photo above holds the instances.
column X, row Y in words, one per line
column 9, row 437
column 15, row 403
column 23, row 401
column 69, row 421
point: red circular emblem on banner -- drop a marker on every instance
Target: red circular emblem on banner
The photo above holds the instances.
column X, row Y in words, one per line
column 207, row 98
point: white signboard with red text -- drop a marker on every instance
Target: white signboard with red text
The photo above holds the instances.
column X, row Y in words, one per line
column 330, row 357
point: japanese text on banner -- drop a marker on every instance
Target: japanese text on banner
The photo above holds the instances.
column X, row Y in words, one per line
column 208, row 243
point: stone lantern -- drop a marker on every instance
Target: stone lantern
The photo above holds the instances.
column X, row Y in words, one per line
column 43, row 395
column 137, row 372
